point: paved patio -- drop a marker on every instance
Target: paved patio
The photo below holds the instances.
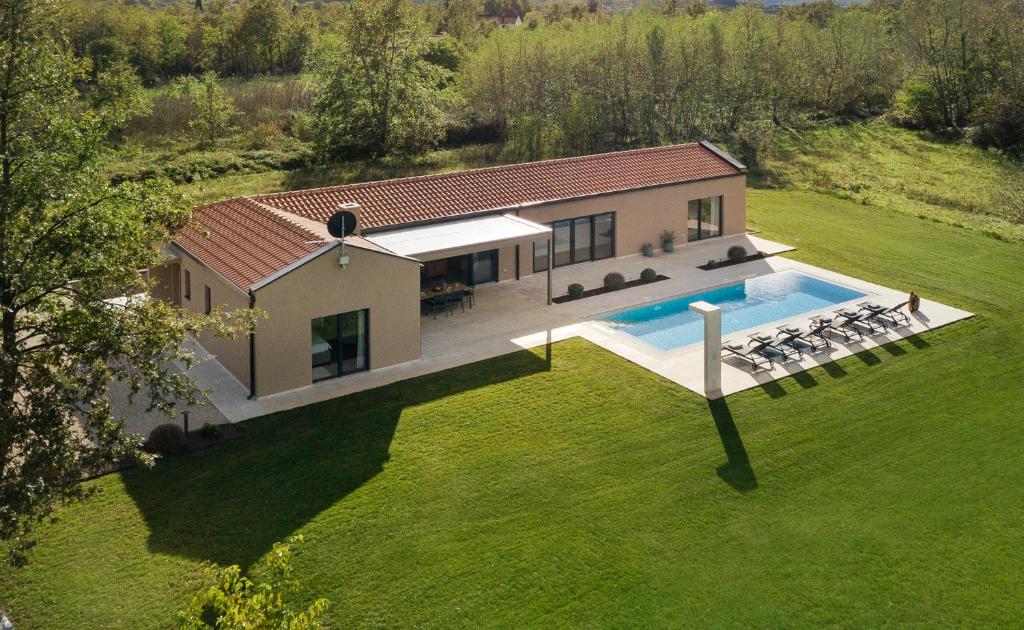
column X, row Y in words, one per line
column 513, row 315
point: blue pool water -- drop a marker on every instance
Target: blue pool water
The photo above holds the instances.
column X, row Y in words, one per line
column 768, row 298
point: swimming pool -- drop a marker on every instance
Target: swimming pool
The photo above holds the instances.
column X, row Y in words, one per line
column 669, row 325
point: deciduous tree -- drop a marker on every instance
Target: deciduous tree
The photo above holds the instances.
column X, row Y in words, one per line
column 69, row 241
column 376, row 93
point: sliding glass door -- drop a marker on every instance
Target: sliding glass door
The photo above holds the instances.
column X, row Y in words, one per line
column 340, row 344
column 704, row 218
column 578, row 240
column 483, row 267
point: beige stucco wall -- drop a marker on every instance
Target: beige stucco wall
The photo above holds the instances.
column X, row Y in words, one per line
column 233, row 354
column 387, row 285
column 641, row 215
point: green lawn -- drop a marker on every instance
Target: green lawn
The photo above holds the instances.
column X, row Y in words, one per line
column 896, row 170
column 581, row 490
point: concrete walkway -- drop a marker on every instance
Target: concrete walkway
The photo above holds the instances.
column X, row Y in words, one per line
column 513, row 315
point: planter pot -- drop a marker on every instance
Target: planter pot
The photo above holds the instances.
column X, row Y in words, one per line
column 648, row 250
column 668, row 246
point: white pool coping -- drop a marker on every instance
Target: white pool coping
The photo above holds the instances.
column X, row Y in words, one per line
column 684, row 366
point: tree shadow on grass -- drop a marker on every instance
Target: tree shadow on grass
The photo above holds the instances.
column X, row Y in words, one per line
column 231, row 503
column 736, row 471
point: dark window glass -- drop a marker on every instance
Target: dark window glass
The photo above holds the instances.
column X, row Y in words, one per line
column 562, row 235
column 326, row 348
column 711, row 217
column 704, row 218
column 188, row 285
column 340, row 344
column 540, row 256
column 604, row 236
column 208, row 300
column 693, row 220
column 581, row 239
column 484, row 266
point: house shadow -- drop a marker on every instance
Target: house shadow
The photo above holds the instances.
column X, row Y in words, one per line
column 229, row 504
column 736, row 471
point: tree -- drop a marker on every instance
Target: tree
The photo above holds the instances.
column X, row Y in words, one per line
column 376, row 93
column 212, row 108
column 236, row 602
column 461, row 18
column 69, row 240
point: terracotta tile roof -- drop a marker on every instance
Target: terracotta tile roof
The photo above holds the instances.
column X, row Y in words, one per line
column 250, row 238
column 244, row 241
column 395, row 202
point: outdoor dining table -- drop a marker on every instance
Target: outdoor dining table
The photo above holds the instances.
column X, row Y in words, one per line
column 428, row 293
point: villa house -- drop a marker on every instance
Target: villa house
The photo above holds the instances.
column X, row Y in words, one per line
column 338, row 306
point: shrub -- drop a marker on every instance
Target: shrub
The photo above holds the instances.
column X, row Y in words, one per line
column 614, row 280
column 736, row 253
column 648, row 275
column 712, row 264
column 209, row 430
column 668, row 236
column 575, row 290
column 166, row 439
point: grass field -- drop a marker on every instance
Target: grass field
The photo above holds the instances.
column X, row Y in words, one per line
column 581, row 490
column 896, row 170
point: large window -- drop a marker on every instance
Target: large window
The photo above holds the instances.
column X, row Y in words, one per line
column 577, row 240
column 704, row 218
column 340, row 344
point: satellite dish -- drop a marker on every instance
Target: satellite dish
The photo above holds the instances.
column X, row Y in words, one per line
column 341, row 224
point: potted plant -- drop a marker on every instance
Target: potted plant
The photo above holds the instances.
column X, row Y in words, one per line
column 668, row 240
column 648, row 250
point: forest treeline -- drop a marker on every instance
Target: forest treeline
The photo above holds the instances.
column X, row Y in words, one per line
column 392, row 77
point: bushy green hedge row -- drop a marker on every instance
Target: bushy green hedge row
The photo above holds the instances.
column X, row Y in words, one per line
column 209, row 164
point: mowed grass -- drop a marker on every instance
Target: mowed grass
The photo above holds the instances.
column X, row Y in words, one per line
column 896, row 170
column 581, row 490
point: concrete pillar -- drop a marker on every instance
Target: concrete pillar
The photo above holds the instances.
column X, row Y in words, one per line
column 712, row 347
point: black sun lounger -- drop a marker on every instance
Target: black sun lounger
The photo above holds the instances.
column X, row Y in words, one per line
column 891, row 315
column 776, row 347
column 830, row 326
column 751, row 353
column 847, row 318
column 796, row 337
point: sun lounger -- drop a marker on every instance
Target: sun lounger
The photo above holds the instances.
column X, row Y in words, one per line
column 891, row 315
column 751, row 353
column 798, row 338
column 776, row 347
column 849, row 319
column 830, row 326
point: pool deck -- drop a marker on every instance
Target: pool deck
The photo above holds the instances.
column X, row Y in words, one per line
column 513, row 315
column 685, row 365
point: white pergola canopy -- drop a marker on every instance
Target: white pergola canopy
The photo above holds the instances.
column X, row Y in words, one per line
column 452, row 238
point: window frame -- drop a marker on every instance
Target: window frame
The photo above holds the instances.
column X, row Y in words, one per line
column 207, row 299
column 187, row 281
column 337, row 328
column 591, row 219
column 702, row 204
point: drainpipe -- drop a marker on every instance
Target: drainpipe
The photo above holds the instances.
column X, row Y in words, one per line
column 551, row 263
column 252, row 351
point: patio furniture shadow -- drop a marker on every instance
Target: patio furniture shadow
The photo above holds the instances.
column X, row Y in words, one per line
column 230, row 503
column 737, row 471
